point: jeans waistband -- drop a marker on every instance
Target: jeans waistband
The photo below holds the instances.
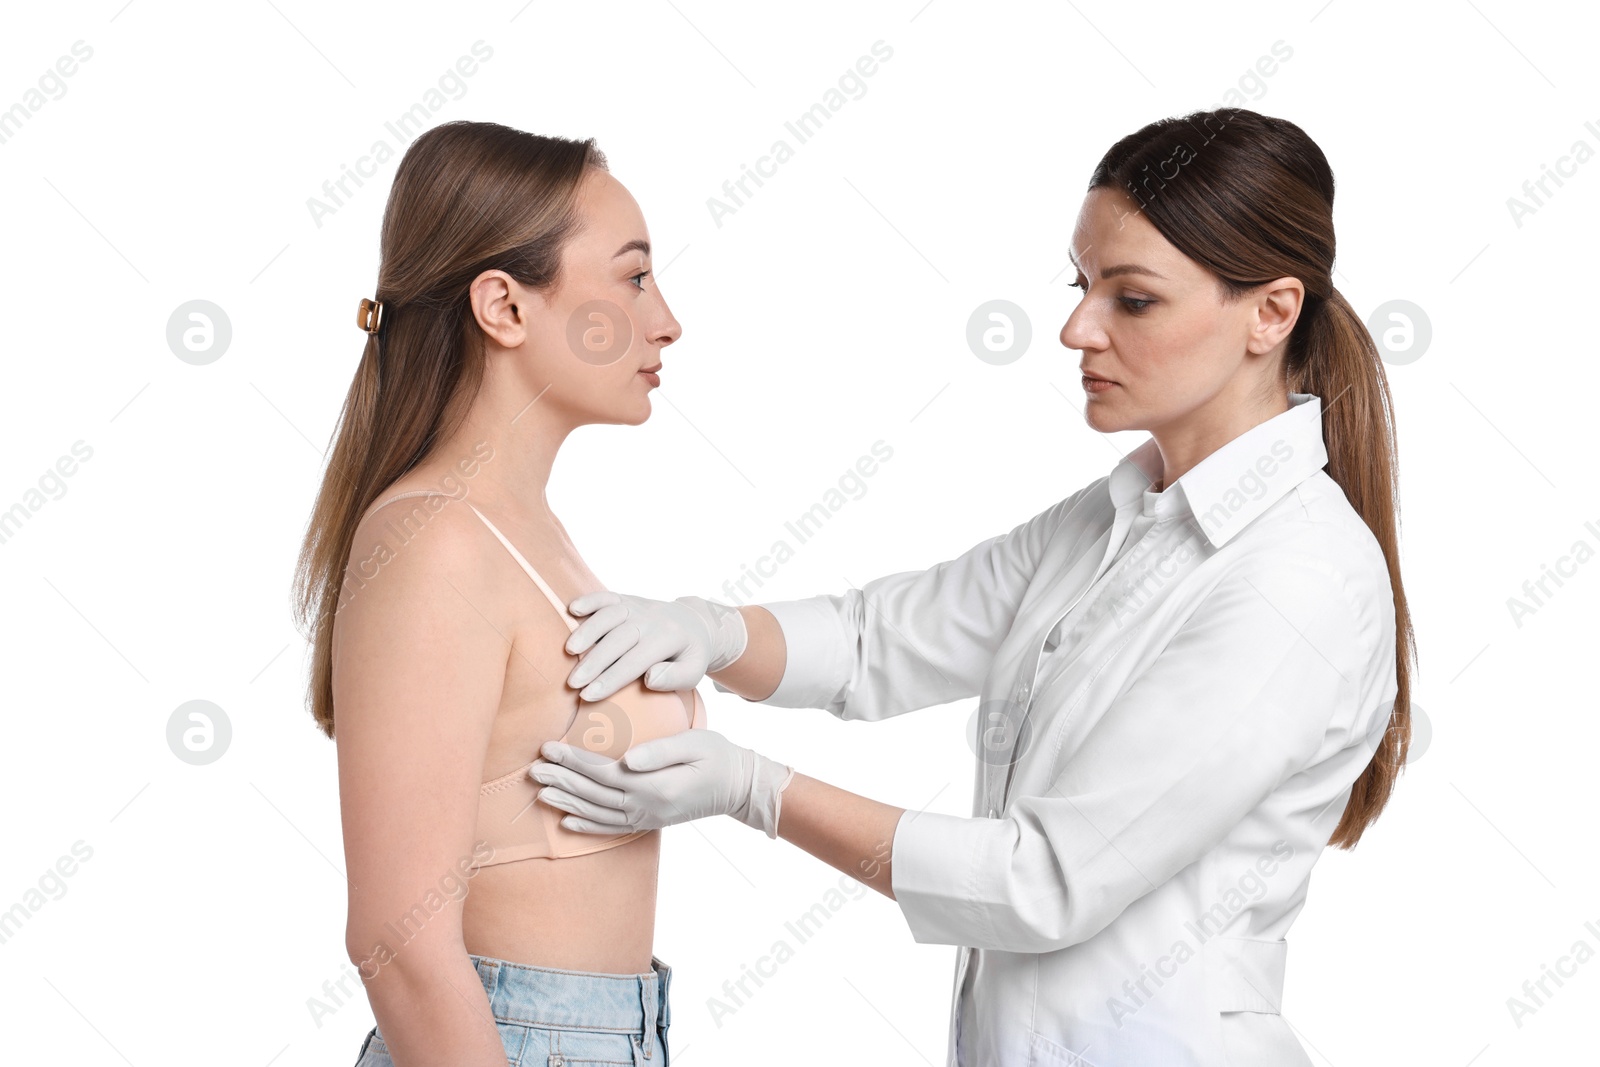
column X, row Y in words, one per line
column 559, row 999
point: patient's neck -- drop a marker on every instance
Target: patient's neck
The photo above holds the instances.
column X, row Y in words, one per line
column 509, row 445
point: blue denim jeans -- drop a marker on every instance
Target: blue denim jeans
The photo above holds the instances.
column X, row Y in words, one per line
column 556, row 1018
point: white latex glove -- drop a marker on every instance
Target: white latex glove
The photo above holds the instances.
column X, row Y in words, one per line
column 688, row 775
column 671, row 643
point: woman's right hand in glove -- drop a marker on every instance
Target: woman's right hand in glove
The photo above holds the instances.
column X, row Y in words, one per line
column 672, row 644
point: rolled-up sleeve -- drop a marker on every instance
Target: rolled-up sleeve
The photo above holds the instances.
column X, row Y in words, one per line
column 914, row 639
column 1275, row 664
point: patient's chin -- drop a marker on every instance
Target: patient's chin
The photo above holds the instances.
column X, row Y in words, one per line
column 636, row 411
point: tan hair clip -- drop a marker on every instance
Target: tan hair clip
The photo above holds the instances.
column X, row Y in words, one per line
column 369, row 316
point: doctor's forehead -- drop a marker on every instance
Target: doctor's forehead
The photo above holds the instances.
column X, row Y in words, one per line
column 1112, row 232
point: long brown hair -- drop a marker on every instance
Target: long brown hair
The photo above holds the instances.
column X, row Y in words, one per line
column 467, row 197
column 1250, row 198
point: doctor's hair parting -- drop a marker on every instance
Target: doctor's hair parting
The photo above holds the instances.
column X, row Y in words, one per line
column 467, row 197
column 1250, row 198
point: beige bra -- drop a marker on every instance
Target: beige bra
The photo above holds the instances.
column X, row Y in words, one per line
column 508, row 819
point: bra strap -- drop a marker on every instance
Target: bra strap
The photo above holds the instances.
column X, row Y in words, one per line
column 544, row 587
column 403, row 496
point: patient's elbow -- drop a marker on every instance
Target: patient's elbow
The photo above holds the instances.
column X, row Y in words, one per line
column 367, row 954
column 413, row 944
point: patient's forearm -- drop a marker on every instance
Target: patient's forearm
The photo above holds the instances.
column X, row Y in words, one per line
column 434, row 1011
column 759, row 669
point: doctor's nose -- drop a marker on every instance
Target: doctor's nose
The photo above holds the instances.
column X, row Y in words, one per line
column 1080, row 332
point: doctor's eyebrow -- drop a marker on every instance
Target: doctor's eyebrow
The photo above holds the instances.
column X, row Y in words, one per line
column 635, row 244
column 1121, row 268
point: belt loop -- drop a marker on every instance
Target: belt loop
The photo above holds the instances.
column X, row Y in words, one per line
column 489, row 975
column 645, row 1011
column 663, row 1008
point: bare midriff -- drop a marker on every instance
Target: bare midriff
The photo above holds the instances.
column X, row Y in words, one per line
column 585, row 913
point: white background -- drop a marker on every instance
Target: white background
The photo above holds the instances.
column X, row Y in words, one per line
column 827, row 313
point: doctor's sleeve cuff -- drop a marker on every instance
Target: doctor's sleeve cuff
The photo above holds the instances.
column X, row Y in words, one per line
column 818, row 658
column 933, row 872
column 1000, row 884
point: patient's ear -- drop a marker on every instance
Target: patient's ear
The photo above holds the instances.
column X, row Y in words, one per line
column 503, row 307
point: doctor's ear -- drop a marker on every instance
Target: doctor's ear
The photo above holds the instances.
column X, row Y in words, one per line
column 1278, row 305
column 504, row 308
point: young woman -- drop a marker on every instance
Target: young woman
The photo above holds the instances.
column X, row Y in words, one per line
column 1194, row 671
column 515, row 303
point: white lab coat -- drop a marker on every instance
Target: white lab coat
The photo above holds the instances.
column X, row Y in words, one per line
column 1192, row 710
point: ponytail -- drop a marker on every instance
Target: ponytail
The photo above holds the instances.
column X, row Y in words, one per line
column 1338, row 361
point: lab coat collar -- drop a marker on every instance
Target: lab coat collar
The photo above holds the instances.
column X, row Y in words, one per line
column 1227, row 490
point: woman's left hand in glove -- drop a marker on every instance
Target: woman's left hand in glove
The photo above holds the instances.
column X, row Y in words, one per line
column 688, row 775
